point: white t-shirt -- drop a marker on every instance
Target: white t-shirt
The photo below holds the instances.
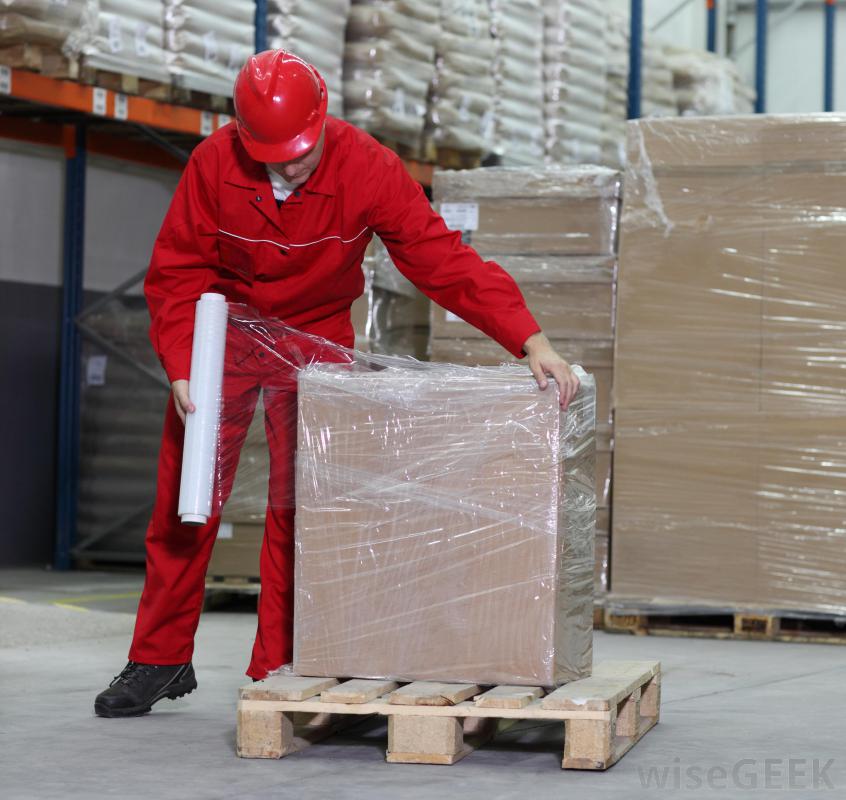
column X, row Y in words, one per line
column 281, row 188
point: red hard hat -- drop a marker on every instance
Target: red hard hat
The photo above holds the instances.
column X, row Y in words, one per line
column 280, row 106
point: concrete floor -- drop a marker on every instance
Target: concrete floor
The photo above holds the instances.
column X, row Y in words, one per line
column 63, row 636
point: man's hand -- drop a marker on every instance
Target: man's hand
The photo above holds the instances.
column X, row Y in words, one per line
column 181, row 399
column 544, row 361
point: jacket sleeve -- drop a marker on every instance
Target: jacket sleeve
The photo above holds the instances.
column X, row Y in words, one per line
column 433, row 258
column 182, row 267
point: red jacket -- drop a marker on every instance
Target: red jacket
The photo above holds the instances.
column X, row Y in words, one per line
column 301, row 262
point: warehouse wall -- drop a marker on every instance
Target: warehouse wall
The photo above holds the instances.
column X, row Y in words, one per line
column 124, row 208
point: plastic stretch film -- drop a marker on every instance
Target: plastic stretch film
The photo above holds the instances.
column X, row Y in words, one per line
column 199, row 456
column 730, row 383
column 444, row 514
column 42, row 22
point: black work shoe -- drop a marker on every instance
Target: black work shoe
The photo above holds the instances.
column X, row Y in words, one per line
column 133, row 692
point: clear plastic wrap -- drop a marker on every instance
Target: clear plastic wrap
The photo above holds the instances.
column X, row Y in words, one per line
column 444, row 514
column 575, row 63
column 461, row 98
column 730, row 385
column 314, row 30
column 122, row 36
column 705, row 83
column 389, row 64
column 518, row 76
column 207, row 42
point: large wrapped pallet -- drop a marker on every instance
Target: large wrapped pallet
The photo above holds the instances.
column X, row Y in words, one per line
column 730, row 385
column 444, row 526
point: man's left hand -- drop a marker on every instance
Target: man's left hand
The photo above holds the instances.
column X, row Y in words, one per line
column 544, row 362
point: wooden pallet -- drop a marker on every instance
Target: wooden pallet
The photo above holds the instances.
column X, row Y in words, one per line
column 197, row 99
column 450, row 158
column 438, row 723
column 125, row 84
column 221, row 589
column 703, row 622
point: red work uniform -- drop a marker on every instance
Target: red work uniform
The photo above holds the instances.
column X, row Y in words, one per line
column 300, row 262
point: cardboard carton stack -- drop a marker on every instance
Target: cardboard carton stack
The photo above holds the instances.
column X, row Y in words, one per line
column 444, row 526
column 555, row 231
column 730, row 385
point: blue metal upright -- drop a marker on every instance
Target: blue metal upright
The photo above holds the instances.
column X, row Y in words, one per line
column 261, row 26
column 761, row 56
column 635, row 59
column 711, row 10
column 67, row 472
column 828, row 66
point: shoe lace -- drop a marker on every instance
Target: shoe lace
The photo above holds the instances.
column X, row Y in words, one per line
column 133, row 672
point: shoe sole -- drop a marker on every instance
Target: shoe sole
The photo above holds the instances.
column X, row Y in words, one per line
column 171, row 692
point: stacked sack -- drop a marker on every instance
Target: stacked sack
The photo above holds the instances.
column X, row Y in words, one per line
column 314, row 30
column 616, row 91
column 707, row 84
column 460, row 110
column 554, row 230
column 389, row 64
column 658, row 98
column 575, row 64
column 518, row 75
column 39, row 22
column 207, row 42
column 122, row 36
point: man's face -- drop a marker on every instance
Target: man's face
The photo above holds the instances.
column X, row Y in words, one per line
column 298, row 171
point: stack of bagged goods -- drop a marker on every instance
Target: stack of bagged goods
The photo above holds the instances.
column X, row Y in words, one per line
column 314, row 30
column 398, row 313
column 460, row 110
column 575, row 64
column 124, row 37
column 519, row 138
column 389, row 64
column 207, row 42
column 616, row 107
column 123, row 394
column 658, row 97
column 32, row 34
column 555, row 231
column 406, row 566
column 707, row 84
column 730, row 386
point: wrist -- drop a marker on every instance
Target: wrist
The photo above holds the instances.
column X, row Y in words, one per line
column 534, row 342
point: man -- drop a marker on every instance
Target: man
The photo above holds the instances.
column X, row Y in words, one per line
column 275, row 211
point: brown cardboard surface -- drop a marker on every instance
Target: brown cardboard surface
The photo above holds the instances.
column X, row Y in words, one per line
column 238, row 556
column 441, row 532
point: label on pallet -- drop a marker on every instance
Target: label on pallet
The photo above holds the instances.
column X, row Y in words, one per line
column 206, row 123
column 5, row 80
column 121, row 106
column 95, row 370
column 461, row 216
column 450, row 317
column 98, row 105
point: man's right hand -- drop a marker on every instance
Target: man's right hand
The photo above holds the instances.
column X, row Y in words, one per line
column 181, row 399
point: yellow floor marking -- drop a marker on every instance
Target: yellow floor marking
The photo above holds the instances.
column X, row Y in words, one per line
column 5, row 599
column 72, row 607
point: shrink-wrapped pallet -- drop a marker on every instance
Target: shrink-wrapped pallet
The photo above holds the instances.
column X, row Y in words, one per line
column 314, row 30
column 730, row 385
column 705, row 84
column 40, row 22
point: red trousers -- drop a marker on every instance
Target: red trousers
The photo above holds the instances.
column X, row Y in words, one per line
column 178, row 555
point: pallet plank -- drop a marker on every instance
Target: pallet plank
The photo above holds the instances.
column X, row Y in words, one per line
column 432, row 693
column 610, row 683
column 357, row 690
column 286, row 687
column 509, row 696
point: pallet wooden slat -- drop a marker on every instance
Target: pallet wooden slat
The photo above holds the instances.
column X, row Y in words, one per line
column 357, row 691
column 432, row 693
column 509, row 696
column 287, row 687
column 604, row 689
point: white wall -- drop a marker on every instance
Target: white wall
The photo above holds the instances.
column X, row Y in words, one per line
column 795, row 58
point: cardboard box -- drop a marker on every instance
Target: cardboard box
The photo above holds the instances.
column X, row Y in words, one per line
column 236, row 550
column 730, row 369
column 444, row 529
column 532, row 211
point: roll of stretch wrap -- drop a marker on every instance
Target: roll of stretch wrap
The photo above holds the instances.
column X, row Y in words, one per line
column 199, row 453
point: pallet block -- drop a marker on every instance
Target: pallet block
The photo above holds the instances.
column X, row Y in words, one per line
column 436, row 723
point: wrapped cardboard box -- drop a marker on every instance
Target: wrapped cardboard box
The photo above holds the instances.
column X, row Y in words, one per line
column 444, row 526
column 236, row 550
column 519, row 211
column 730, row 383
